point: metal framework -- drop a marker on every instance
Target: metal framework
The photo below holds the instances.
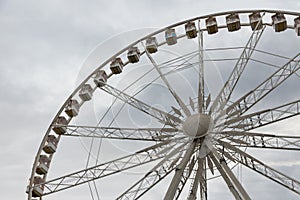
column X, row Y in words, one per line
column 116, row 166
column 154, row 112
column 265, row 170
column 199, row 179
column 225, row 93
column 265, row 117
column 155, row 175
column 254, row 96
column 201, row 92
column 233, row 184
column 262, row 140
column 172, row 91
column 145, row 134
column 206, row 134
column 179, row 179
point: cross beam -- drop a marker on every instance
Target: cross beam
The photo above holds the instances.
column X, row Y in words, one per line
column 162, row 116
column 261, row 168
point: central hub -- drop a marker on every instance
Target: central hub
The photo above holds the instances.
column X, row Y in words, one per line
column 197, row 125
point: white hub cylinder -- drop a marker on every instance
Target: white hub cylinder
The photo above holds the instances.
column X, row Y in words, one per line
column 197, row 125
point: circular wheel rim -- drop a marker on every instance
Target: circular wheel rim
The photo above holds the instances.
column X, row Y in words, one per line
column 215, row 109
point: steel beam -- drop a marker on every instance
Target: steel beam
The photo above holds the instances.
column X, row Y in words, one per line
column 261, row 140
column 162, row 116
column 155, row 175
column 172, row 91
column 139, row 158
column 250, row 99
column 265, row 117
column 171, row 192
column 145, row 134
column 186, row 175
column 225, row 93
column 261, row 168
column 218, row 160
column 226, row 178
column 199, row 180
column 201, row 93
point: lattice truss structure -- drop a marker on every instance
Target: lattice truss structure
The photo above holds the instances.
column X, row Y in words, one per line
column 184, row 131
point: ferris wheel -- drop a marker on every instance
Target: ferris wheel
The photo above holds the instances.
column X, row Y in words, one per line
column 188, row 104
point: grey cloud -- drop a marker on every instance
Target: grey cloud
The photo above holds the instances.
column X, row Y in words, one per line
column 43, row 46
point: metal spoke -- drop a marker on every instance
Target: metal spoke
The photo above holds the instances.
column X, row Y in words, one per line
column 199, row 179
column 162, row 116
column 145, row 134
column 172, row 91
column 272, row 82
column 233, row 184
column 225, row 120
column 203, row 179
column 172, row 190
column 201, row 71
column 185, row 176
column 261, row 168
column 265, row 117
column 174, row 69
column 139, row 158
column 242, row 192
column 155, row 175
column 261, row 140
column 226, row 178
column 225, row 93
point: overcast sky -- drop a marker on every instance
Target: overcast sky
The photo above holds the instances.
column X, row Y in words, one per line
column 43, row 46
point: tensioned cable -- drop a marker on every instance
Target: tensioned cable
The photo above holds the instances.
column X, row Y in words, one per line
column 179, row 59
column 172, row 71
column 143, row 88
column 149, row 71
